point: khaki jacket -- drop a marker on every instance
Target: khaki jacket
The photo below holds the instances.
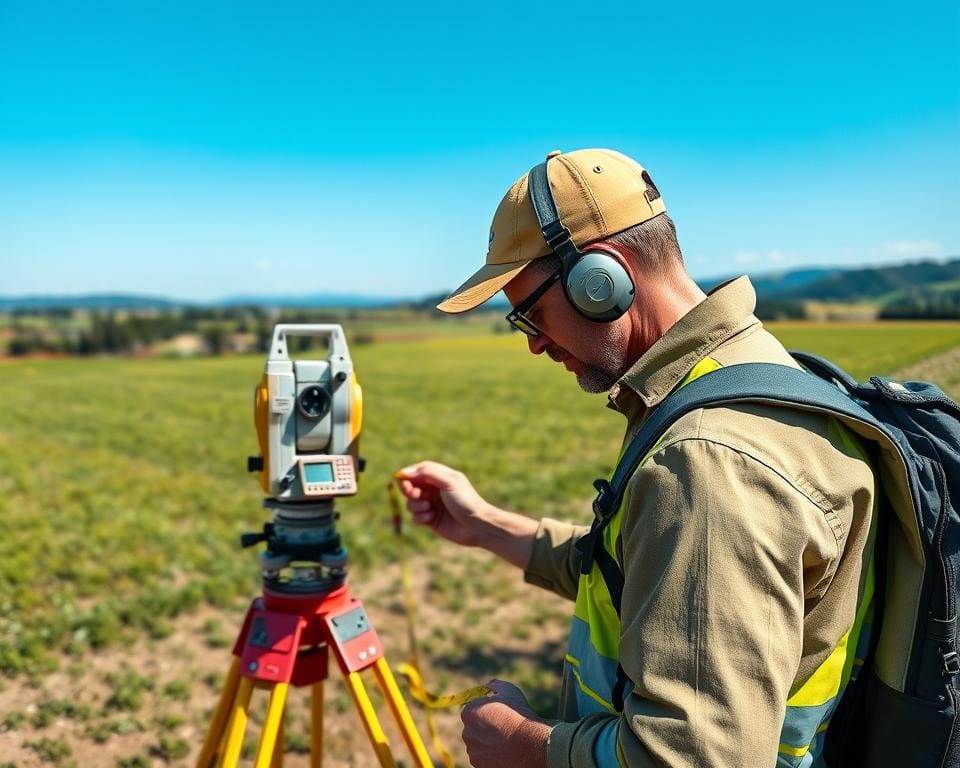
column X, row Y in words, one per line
column 741, row 544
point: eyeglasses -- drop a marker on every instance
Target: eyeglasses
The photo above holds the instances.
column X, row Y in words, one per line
column 517, row 316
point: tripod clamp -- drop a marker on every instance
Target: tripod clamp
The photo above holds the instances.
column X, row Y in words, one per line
column 304, row 554
column 277, row 545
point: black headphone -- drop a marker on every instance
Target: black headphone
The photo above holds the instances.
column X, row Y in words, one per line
column 595, row 283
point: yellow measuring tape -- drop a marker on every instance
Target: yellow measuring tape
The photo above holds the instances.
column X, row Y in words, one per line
column 432, row 701
column 410, row 671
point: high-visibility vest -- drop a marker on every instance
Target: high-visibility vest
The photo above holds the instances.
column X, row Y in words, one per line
column 593, row 652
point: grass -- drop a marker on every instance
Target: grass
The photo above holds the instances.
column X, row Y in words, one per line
column 870, row 348
column 54, row 751
column 129, row 688
column 123, row 490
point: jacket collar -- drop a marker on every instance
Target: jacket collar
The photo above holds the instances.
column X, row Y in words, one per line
column 726, row 311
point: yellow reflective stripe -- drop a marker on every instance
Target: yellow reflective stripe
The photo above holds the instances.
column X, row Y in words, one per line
column 786, row 749
column 592, row 694
column 824, row 683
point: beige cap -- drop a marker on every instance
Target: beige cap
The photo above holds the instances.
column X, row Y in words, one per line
column 598, row 192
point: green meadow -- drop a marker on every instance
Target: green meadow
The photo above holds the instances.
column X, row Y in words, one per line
column 123, row 490
column 123, row 493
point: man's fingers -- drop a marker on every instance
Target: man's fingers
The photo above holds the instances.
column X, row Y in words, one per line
column 428, row 473
column 421, row 509
column 410, row 490
column 425, row 518
column 468, row 715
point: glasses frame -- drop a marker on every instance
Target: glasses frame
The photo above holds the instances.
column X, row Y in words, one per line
column 517, row 316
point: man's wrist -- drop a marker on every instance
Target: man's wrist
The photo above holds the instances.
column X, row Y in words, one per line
column 537, row 738
column 507, row 534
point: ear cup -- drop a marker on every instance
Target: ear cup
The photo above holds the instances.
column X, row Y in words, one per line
column 599, row 287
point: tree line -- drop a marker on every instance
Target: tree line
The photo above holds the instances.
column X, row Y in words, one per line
column 924, row 305
column 59, row 331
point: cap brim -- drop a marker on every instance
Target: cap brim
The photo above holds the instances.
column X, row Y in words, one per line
column 482, row 285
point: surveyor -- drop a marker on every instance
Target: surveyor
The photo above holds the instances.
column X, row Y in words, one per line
column 740, row 539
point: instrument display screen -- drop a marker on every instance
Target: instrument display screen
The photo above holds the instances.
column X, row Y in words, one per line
column 318, row 473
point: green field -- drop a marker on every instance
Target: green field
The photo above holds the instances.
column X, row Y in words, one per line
column 123, row 490
column 869, row 348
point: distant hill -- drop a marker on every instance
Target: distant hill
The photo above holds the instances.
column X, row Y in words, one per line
column 101, row 302
column 309, row 301
column 916, row 284
column 133, row 302
column 776, row 283
column 879, row 285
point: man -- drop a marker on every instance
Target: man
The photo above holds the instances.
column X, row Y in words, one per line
column 741, row 535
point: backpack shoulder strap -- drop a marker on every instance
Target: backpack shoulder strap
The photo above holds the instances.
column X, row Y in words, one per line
column 747, row 382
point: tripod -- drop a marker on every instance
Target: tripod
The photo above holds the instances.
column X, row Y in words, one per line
column 306, row 611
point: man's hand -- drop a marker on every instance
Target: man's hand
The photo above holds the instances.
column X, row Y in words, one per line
column 444, row 499
column 502, row 730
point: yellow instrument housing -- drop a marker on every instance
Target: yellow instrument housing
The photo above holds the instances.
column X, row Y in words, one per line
column 307, row 413
column 261, row 418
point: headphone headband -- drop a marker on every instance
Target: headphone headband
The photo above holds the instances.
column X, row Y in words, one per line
column 555, row 234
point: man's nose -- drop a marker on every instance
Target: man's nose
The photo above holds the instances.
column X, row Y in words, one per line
column 539, row 343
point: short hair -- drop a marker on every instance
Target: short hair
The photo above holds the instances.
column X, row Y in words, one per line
column 652, row 244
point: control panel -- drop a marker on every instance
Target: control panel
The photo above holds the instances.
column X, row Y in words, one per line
column 327, row 476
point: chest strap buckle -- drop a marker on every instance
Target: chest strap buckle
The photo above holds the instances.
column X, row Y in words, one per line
column 603, row 503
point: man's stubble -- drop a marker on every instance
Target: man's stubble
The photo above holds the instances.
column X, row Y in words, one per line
column 601, row 375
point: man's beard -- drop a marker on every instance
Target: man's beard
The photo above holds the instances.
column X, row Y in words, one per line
column 591, row 378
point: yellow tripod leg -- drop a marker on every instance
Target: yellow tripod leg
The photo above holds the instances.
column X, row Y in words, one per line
column 238, row 725
column 271, row 725
column 401, row 714
column 369, row 717
column 211, row 744
column 316, row 727
column 277, row 761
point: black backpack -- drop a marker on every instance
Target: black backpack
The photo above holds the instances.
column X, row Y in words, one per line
column 903, row 708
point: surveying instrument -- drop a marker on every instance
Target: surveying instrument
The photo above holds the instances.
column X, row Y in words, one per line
column 308, row 415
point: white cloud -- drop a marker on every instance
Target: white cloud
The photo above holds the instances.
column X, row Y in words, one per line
column 263, row 265
column 913, row 247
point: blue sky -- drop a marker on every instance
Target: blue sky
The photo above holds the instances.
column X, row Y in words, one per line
column 204, row 149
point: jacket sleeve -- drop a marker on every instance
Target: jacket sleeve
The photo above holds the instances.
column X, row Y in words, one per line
column 554, row 563
column 714, row 548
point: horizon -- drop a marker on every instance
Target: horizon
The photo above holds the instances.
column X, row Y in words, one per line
column 136, row 157
column 373, row 299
